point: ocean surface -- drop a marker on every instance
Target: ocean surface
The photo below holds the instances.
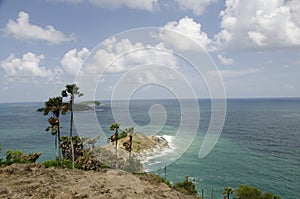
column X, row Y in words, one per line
column 259, row 144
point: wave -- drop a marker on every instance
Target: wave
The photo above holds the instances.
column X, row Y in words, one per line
column 155, row 157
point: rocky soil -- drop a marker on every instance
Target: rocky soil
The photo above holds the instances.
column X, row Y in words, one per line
column 35, row 181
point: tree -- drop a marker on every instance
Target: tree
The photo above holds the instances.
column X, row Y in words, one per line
column 228, row 191
column 186, row 187
column 55, row 106
column 247, row 192
column 128, row 144
column 115, row 127
column 71, row 92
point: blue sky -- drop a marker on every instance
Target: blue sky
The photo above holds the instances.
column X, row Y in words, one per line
column 255, row 45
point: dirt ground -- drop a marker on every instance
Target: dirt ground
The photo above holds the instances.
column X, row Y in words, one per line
column 35, row 181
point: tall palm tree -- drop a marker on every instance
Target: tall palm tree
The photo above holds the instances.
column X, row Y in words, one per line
column 55, row 106
column 115, row 127
column 129, row 131
column 228, row 191
column 70, row 92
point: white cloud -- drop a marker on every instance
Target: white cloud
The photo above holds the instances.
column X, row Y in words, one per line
column 22, row 29
column 188, row 28
column 197, row 6
column 116, row 58
column 73, row 59
column 228, row 75
column 120, row 56
column 224, row 60
column 26, row 67
column 114, row 4
column 259, row 25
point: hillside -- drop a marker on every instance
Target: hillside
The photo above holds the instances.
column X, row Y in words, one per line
column 35, row 181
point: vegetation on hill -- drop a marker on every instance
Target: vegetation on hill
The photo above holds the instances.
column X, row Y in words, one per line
column 90, row 103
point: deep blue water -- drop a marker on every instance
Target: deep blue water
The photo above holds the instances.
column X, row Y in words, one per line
column 259, row 144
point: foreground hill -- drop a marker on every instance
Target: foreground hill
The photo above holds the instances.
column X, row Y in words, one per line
column 36, row 181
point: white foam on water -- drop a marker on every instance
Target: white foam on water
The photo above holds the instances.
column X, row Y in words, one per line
column 150, row 160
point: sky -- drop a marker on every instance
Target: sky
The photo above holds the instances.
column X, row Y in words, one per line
column 115, row 49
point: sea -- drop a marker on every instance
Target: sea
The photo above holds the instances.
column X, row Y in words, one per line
column 259, row 144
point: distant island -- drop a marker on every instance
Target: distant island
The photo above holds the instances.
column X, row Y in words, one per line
column 81, row 106
column 90, row 103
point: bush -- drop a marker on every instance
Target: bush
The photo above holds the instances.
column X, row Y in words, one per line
column 89, row 162
column 153, row 178
column 122, row 135
column 62, row 164
column 245, row 191
column 20, row 157
column 65, row 144
column 51, row 163
column 186, row 187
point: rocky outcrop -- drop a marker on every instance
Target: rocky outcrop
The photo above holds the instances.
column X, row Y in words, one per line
column 142, row 147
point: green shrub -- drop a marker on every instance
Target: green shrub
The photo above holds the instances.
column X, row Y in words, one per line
column 62, row 164
column 20, row 157
column 51, row 163
column 245, row 191
column 122, row 135
column 186, row 187
column 153, row 178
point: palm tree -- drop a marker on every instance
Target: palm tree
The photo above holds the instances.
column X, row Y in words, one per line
column 227, row 191
column 70, row 92
column 129, row 131
column 115, row 127
column 55, row 106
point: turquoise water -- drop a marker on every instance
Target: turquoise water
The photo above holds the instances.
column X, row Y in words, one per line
column 259, row 145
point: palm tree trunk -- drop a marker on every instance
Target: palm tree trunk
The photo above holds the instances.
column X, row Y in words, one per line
column 58, row 141
column 116, row 135
column 71, row 132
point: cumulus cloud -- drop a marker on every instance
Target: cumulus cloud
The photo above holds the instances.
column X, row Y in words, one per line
column 73, row 59
column 188, row 28
column 224, row 60
column 22, row 29
column 259, row 25
column 121, row 59
column 140, row 4
column 197, row 6
column 119, row 56
column 26, row 67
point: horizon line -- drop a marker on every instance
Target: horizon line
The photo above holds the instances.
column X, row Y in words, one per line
column 204, row 98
